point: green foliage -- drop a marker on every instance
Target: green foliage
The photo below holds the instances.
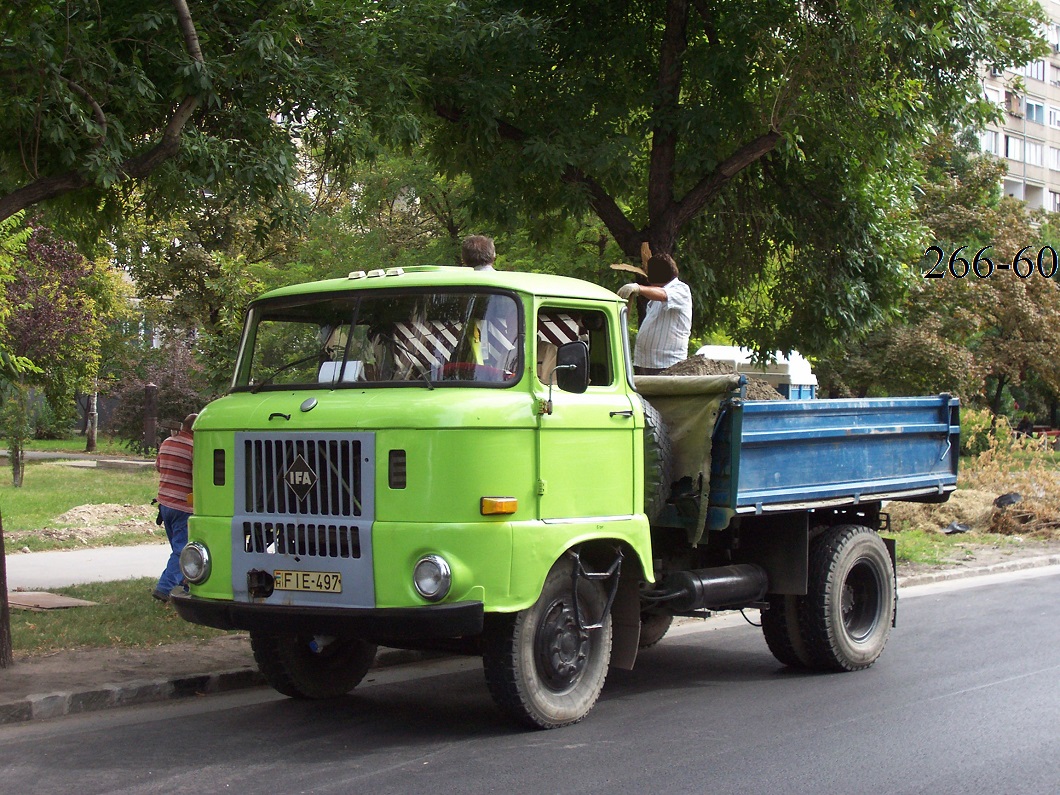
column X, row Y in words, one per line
column 977, row 428
column 772, row 143
column 95, row 94
column 979, row 338
column 181, row 389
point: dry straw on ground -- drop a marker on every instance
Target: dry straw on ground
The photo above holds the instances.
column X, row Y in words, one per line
column 1009, row 465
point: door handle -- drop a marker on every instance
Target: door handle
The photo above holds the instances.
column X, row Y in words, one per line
column 626, row 413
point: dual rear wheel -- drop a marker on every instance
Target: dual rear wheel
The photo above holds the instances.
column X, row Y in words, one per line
column 843, row 622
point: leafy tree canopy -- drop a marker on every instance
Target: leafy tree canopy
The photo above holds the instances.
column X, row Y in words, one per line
column 185, row 97
column 770, row 140
column 975, row 336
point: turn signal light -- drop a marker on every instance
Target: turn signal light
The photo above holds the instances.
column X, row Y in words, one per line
column 490, row 506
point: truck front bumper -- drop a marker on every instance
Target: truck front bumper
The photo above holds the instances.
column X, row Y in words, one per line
column 457, row 620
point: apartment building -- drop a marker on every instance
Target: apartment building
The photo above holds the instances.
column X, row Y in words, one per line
column 1029, row 136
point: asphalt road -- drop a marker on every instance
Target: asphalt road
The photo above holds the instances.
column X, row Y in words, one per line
column 965, row 699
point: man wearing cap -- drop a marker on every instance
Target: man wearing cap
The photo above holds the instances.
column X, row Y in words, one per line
column 663, row 337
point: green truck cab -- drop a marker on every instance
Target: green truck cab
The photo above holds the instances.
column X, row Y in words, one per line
column 438, row 457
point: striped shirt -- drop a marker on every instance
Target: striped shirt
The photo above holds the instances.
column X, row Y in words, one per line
column 174, row 470
column 663, row 336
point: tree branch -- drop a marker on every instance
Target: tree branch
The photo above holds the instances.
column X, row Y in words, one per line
column 709, row 186
column 135, row 167
column 708, row 21
column 97, row 111
column 665, row 106
column 605, row 207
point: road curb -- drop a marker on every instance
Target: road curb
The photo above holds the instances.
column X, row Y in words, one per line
column 979, row 571
column 45, row 706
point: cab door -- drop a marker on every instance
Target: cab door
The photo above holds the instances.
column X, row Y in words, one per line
column 586, row 444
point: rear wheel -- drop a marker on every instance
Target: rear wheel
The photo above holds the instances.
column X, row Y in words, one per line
column 312, row 666
column 780, row 626
column 540, row 667
column 846, row 617
column 653, row 627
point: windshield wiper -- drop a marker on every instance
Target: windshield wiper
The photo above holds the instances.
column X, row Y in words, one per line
column 316, row 355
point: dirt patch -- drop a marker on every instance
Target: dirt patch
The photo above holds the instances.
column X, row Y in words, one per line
column 87, row 523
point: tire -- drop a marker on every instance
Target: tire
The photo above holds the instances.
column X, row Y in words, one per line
column 653, row 627
column 780, row 626
column 290, row 665
column 540, row 668
column 658, row 462
column 846, row 617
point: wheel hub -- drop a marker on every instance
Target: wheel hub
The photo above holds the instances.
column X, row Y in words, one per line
column 562, row 648
column 860, row 601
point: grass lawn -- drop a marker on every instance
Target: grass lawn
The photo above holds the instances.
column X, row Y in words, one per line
column 50, row 490
column 934, row 548
column 125, row 615
column 105, row 445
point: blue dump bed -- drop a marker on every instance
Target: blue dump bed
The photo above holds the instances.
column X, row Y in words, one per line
column 789, row 455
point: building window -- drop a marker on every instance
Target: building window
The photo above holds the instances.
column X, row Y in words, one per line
column 991, row 142
column 993, row 95
column 1052, row 116
column 1014, row 103
column 1013, row 147
column 1054, row 202
column 1033, row 153
column 1054, row 158
column 1034, row 70
column 1035, row 111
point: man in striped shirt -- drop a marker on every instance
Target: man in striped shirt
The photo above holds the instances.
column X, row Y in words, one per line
column 174, row 500
column 663, row 337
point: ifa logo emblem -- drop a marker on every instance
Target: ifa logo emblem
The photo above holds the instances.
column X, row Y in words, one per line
column 300, row 478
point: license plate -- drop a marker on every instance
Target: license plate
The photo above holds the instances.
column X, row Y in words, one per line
column 325, row 581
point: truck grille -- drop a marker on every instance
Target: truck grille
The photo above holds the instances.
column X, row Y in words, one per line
column 302, row 475
column 303, row 539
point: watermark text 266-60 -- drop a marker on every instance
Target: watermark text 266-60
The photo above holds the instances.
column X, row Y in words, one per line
column 1024, row 264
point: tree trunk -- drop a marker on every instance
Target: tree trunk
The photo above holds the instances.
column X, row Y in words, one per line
column 18, row 461
column 91, row 418
column 7, row 657
column 995, row 404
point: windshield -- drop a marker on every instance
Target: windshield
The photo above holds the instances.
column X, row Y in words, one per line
column 427, row 339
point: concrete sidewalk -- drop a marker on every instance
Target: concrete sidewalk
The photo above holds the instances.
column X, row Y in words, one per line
column 66, row 683
column 34, row 571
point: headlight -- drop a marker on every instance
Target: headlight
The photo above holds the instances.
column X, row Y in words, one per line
column 195, row 563
column 432, row 577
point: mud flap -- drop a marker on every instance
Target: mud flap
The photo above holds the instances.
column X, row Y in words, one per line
column 625, row 623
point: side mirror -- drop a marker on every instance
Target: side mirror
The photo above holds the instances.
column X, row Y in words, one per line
column 572, row 367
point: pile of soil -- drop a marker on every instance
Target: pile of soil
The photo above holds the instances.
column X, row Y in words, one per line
column 757, row 388
column 85, row 523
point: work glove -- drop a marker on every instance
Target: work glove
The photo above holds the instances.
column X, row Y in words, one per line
column 628, row 290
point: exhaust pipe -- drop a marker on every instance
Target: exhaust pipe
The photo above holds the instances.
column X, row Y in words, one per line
column 716, row 588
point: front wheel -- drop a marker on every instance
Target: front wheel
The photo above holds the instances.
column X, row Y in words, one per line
column 540, row 667
column 312, row 666
column 846, row 617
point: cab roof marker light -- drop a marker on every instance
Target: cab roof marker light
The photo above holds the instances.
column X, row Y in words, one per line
column 492, row 506
column 374, row 272
column 395, row 271
column 357, row 275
